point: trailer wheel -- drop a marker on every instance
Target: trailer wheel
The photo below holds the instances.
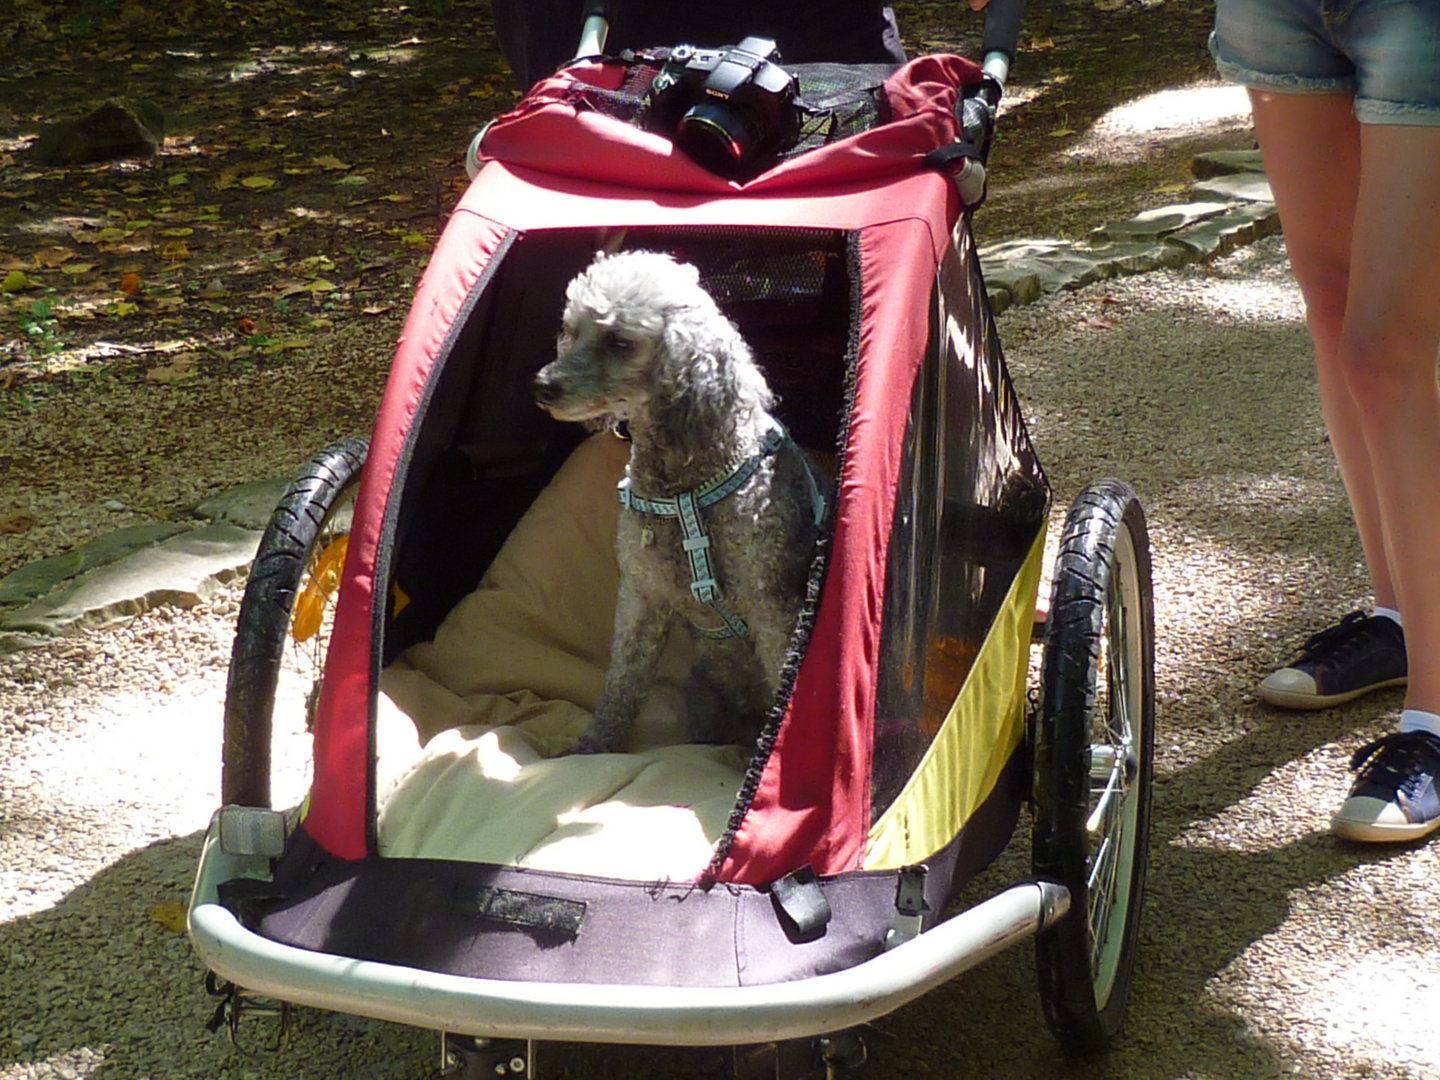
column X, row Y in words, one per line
column 290, row 597
column 1094, row 763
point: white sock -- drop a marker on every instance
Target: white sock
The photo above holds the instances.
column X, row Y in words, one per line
column 1419, row 720
column 1388, row 613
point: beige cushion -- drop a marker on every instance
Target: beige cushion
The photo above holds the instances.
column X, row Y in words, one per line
column 469, row 722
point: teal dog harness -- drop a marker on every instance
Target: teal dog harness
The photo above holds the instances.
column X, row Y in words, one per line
column 686, row 508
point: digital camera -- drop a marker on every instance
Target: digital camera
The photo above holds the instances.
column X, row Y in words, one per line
column 732, row 110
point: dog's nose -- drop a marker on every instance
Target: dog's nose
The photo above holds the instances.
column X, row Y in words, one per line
column 546, row 390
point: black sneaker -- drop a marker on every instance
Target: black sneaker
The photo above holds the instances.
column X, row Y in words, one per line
column 1394, row 797
column 1362, row 653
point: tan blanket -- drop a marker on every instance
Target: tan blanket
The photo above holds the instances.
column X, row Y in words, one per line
column 468, row 722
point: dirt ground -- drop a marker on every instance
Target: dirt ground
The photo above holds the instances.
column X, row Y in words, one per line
column 214, row 314
column 230, row 304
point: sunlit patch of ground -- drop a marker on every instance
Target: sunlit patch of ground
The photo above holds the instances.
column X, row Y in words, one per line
column 1169, row 116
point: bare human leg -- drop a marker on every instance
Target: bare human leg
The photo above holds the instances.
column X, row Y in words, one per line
column 1360, row 205
column 1311, row 145
column 1388, row 353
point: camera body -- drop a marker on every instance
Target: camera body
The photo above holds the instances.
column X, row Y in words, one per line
column 732, row 110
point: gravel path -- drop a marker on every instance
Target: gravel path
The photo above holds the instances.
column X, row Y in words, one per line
column 1269, row 949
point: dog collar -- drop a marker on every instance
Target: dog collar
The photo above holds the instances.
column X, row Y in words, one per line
column 686, row 507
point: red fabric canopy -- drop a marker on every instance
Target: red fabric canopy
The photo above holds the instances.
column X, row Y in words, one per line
column 551, row 166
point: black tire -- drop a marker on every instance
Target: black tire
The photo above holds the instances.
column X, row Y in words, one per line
column 314, row 513
column 1094, row 764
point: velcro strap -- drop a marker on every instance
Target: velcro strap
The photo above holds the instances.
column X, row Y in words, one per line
column 532, row 911
column 804, row 911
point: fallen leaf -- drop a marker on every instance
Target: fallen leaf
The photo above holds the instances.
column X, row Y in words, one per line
column 259, row 183
column 378, row 309
column 1093, row 323
column 1060, row 133
column 247, row 327
column 50, row 258
column 330, row 163
column 175, row 249
column 178, row 370
column 170, row 915
column 14, row 524
column 76, row 269
column 320, row 285
column 123, row 310
column 177, row 232
column 353, row 180
column 130, row 284
column 180, row 179
column 394, row 198
column 111, row 235
column 16, row 281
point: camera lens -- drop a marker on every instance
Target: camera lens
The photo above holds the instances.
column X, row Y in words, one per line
column 717, row 136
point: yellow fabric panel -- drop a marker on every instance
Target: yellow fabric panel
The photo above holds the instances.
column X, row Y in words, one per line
column 982, row 729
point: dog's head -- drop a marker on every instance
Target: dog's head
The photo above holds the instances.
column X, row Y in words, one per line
column 635, row 326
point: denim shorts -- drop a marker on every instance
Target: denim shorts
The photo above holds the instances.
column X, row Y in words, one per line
column 1384, row 52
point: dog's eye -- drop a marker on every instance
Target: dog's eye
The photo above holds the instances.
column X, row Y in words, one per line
column 616, row 343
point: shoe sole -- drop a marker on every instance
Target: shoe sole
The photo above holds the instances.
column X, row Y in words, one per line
column 1288, row 700
column 1368, row 832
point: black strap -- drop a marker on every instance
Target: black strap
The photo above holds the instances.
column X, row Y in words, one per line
column 800, row 901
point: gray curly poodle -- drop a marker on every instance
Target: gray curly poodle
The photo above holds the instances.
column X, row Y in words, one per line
column 721, row 509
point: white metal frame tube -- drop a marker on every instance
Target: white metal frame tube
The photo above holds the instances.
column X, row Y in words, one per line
column 599, row 1012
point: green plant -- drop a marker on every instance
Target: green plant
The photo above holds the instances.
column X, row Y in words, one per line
column 41, row 326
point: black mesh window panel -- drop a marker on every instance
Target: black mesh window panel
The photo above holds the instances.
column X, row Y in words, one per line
column 971, row 501
column 789, row 293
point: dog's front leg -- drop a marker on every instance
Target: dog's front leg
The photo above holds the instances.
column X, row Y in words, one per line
column 641, row 630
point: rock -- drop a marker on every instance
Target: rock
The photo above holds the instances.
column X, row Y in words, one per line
column 248, row 506
column 1028, row 269
column 34, row 580
column 1226, row 163
column 1242, row 224
column 182, row 570
column 1242, row 187
column 1160, row 222
column 118, row 129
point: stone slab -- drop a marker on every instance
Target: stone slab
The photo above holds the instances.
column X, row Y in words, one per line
column 248, row 505
column 1242, row 187
column 1160, row 222
column 183, row 570
column 36, row 579
column 1226, row 163
column 1243, row 224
